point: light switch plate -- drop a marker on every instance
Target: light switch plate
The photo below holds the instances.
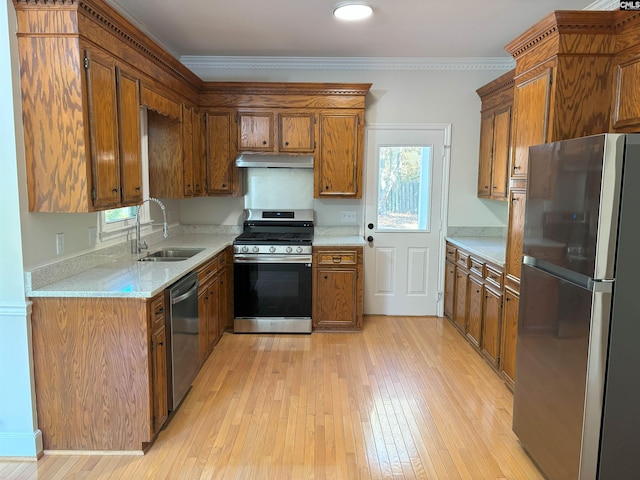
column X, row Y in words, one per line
column 348, row 216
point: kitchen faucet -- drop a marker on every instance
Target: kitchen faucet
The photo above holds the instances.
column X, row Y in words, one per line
column 136, row 245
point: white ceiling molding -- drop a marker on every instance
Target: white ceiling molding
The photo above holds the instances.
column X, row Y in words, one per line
column 200, row 64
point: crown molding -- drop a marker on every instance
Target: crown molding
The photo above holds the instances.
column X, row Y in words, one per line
column 204, row 64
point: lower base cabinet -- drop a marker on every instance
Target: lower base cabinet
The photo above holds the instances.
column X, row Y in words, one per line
column 100, row 371
column 473, row 302
column 337, row 288
column 509, row 337
column 212, row 304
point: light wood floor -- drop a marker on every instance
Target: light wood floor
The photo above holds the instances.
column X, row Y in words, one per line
column 405, row 398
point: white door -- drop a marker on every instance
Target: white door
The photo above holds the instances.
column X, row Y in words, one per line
column 405, row 181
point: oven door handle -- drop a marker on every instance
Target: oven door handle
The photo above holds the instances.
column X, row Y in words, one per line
column 241, row 258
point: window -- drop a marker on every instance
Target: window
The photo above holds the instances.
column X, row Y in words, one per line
column 403, row 187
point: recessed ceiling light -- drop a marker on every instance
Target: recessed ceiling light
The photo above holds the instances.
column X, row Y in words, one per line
column 352, row 11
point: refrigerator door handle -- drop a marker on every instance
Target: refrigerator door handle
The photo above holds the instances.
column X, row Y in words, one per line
column 569, row 276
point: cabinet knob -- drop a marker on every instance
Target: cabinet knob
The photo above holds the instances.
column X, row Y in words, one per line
column 264, row 142
column 115, row 190
column 224, row 185
column 286, row 144
column 160, row 343
column 325, row 277
column 516, row 167
column 137, row 189
column 326, row 187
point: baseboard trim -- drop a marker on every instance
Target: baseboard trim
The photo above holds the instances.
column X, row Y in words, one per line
column 104, row 453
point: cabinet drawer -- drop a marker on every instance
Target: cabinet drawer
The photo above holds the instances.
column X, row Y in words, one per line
column 208, row 270
column 476, row 266
column 337, row 258
column 222, row 260
column 451, row 253
column 493, row 275
column 157, row 311
column 462, row 259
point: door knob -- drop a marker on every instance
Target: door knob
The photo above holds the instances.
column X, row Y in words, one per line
column 370, row 226
column 369, row 239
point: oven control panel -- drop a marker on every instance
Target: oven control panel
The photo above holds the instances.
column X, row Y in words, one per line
column 274, row 249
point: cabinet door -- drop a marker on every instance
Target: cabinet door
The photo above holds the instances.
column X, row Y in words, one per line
column 515, row 233
column 255, row 131
column 449, row 289
column 130, row 138
column 338, row 169
column 187, row 149
column 159, row 367
column 223, row 306
column 220, row 167
column 491, row 322
column 336, row 298
column 198, row 157
column 213, row 319
column 501, row 153
column 203, row 322
column 486, row 155
column 531, row 99
column 296, row 132
column 509, row 337
column 460, row 310
column 476, row 304
column 103, row 130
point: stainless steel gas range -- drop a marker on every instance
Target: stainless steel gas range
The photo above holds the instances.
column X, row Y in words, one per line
column 272, row 272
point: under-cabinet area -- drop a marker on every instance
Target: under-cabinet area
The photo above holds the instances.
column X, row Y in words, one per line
column 474, row 302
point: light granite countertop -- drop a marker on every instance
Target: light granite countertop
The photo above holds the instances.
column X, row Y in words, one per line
column 492, row 249
column 118, row 274
column 124, row 276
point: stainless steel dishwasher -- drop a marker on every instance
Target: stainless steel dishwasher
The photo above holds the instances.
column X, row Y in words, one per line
column 182, row 327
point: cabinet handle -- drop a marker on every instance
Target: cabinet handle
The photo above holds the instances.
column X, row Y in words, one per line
column 325, row 277
column 326, row 187
column 160, row 343
column 286, row 144
column 264, row 142
column 337, row 259
column 115, row 190
column 224, row 185
column 516, row 167
column 514, row 199
column 137, row 189
column 159, row 311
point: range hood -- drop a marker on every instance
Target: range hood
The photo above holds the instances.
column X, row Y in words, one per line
column 261, row 160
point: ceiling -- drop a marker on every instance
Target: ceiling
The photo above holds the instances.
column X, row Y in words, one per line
column 306, row 28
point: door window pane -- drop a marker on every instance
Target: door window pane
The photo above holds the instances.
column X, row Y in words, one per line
column 404, row 181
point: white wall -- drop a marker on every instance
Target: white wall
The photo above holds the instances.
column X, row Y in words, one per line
column 398, row 96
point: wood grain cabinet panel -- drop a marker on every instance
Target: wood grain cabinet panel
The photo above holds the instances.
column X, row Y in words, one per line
column 223, row 177
column 491, row 325
column 130, row 137
column 475, row 315
column 495, row 137
column 296, row 132
column 98, row 366
column 337, row 289
column 449, row 289
column 338, row 167
column 256, row 131
column 509, row 337
column 192, row 152
column 515, row 233
column 462, row 300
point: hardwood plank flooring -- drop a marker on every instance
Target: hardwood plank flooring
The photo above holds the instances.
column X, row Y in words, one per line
column 406, row 398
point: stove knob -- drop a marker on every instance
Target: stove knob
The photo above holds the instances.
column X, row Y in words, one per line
column 272, row 249
column 255, row 249
column 299, row 250
column 289, row 249
column 245, row 249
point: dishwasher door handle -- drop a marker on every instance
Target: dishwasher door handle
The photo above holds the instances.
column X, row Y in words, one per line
column 185, row 295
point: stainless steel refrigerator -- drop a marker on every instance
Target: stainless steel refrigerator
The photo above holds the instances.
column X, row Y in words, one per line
column 577, row 380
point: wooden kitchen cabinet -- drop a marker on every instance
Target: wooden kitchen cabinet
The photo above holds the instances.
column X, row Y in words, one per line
column 449, row 288
column 160, row 397
column 462, row 299
column 223, row 177
column 192, row 152
column 475, row 314
column 337, row 288
column 338, row 162
column 211, row 304
column 515, row 233
column 112, row 351
column 491, row 325
column 276, row 131
column 86, row 129
column 509, row 337
column 495, row 137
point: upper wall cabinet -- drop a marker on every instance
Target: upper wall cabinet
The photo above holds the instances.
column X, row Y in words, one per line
column 223, row 178
column 495, row 137
column 326, row 120
column 81, row 67
column 626, row 100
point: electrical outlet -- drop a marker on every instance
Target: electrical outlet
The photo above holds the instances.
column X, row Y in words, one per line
column 59, row 243
column 348, row 216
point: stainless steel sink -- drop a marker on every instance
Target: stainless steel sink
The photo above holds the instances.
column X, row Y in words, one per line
column 171, row 255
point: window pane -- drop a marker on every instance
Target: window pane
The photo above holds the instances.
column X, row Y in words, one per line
column 119, row 214
column 404, row 188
